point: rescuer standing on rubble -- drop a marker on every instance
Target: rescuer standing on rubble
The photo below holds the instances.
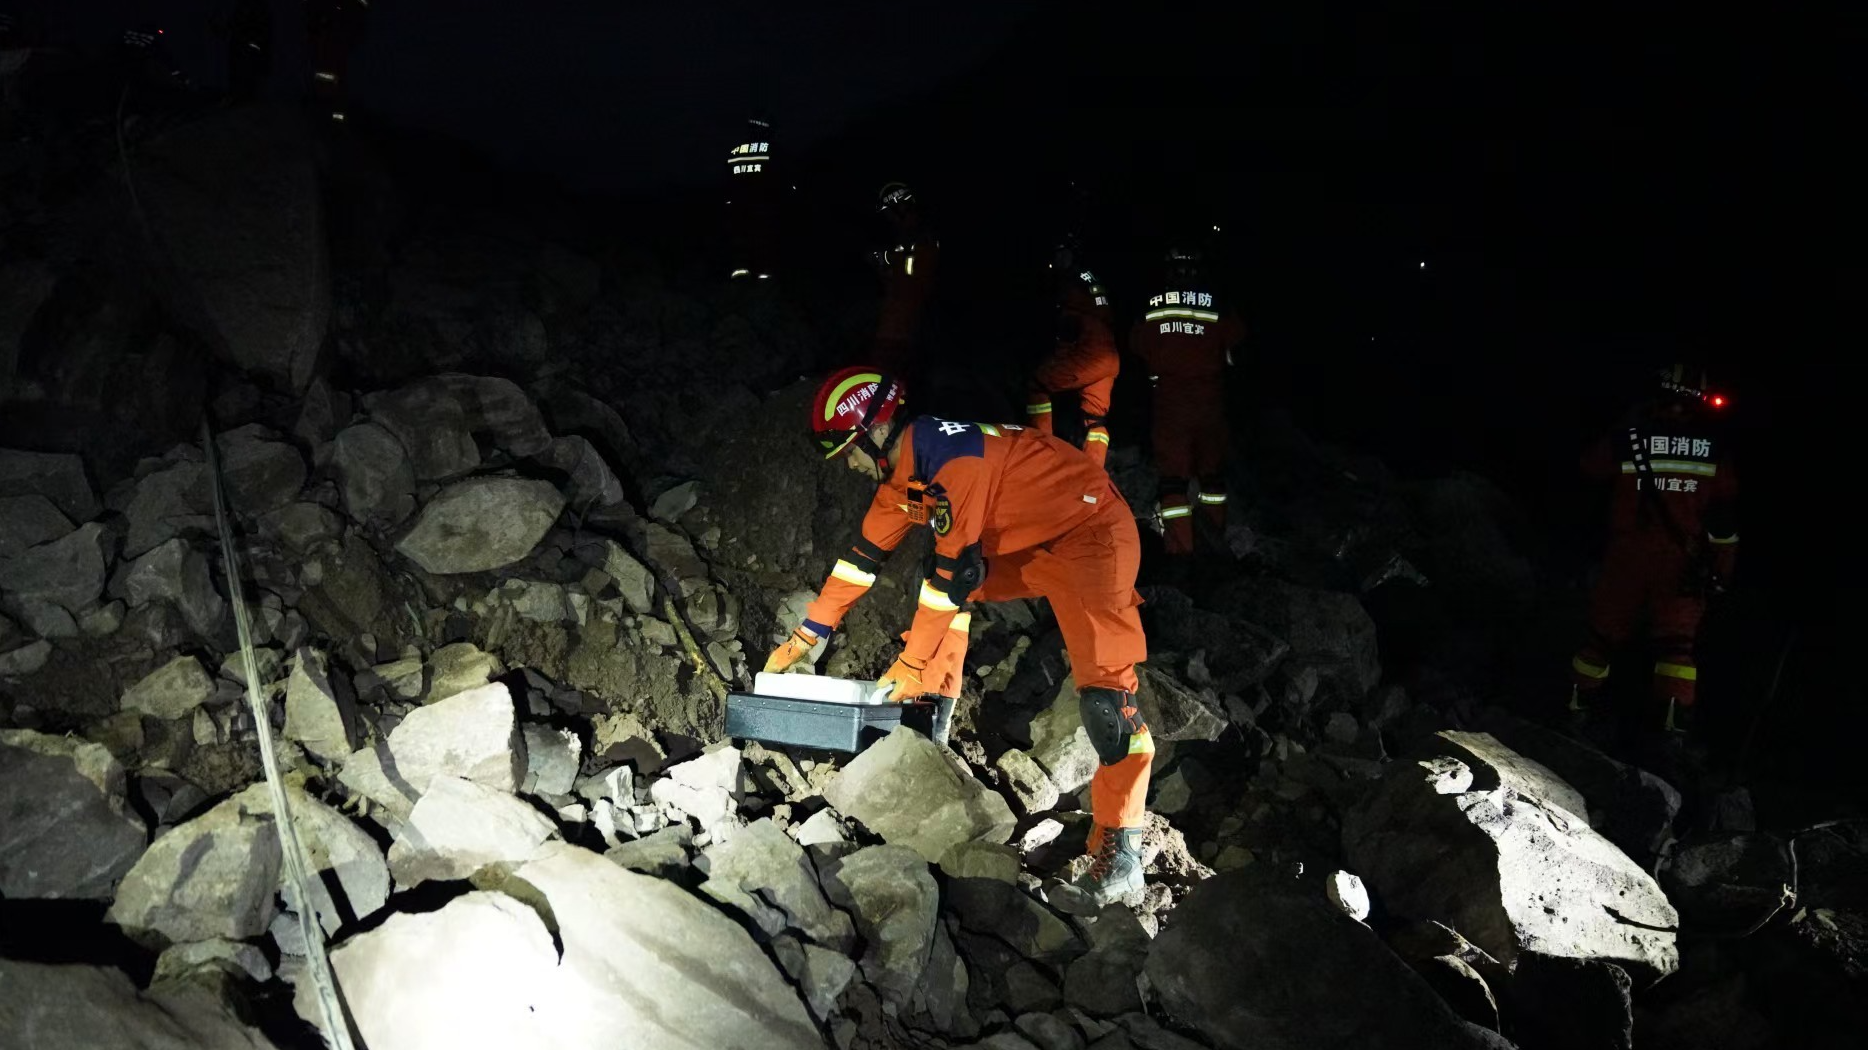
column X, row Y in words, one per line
column 752, row 203
column 1673, row 542
column 1016, row 514
column 908, row 264
column 1084, row 361
column 1186, row 340
column 335, row 28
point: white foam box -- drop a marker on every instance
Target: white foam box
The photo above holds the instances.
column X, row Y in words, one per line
column 816, row 711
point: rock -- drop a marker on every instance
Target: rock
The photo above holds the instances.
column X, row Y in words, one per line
column 907, row 790
column 1007, row 912
column 373, row 469
column 981, row 860
column 1105, row 981
column 894, row 900
column 820, row 973
column 68, row 572
column 235, row 205
column 941, row 994
column 456, row 668
column 1717, row 1017
column 633, row 579
column 481, row 524
column 1028, row 988
column 764, row 874
column 1041, row 834
column 367, row 774
column 173, row 690
column 1049, row 1032
column 262, row 472
column 538, row 600
column 1260, row 966
column 1031, row 785
column 350, row 881
column 1342, row 729
column 213, row 876
column 1328, row 630
column 460, row 827
column 552, row 757
column 704, row 788
column 588, row 480
column 1509, row 872
column 1636, row 808
column 402, row 679
column 176, row 573
column 821, row 827
column 1563, row 1003
column 1460, row 971
column 663, row 854
column 1173, row 793
column 474, row 735
column 58, row 477
column 103, row 621
column 68, row 833
column 270, row 663
column 182, row 961
column 1175, row 713
column 1494, row 765
column 174, row 501
column 304, row 528
column 675, row 501
column 98, row 1008
column 431, row 424
column 1347, row 893
column 1004, row 1041
column 28, row 521
column 1729, row 881
column 25, row 660
column 1060, row 744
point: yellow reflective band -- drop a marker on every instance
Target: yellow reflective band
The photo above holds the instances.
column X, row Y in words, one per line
column 1691, row 674
column 909, row 266
column 935, row 600
column 1181, row 311
column 1101, row 436
column 1176, row 512
column 741, row 273
column 1722, row 540
column 961, row 622
column 328, row 78
column 836, row 396
column 1676, row 466
column 1141, row 743
column 1037, row 410
column 989, row 429
column 1587, row 669
column 849, row 573
column 1212, row 498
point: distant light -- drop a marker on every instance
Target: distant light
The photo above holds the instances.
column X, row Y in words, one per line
column 1718, row 400
column 1423, row 265
column 162, row 32
column 1215, row 229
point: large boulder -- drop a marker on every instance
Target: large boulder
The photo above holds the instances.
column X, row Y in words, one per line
column 176, row 573
column 214, row 876
column 895, row 901
column 1059, row 742
column 474, row 735
column 1510, row 871
column 764, row 874
column 171, row 691
column 349, row 880
column 1006, row 911
column 437, row 419
column 588, row 480
column 98, row 1008
column 65, row 831
column 908, row 790
column 27, row 521
column 481, row 524
column 172, row 501
column 460, row 827
column 59, row 477
column 263, row 472
column 1254, row 965
column 1174, row 712
column 1494, row 765
column 67, row 573
column 373, row 468
column 319, row 711
column 234, row 203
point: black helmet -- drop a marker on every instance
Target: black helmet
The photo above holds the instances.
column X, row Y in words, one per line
column 894, row 195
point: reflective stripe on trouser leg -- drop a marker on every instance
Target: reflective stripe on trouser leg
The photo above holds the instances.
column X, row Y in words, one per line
column 1096, row 445
column 1119, row 792
column 1589, row 669
column 1176, row 517
column 1677, row 679
column 1038, row 414
column 1212, row 499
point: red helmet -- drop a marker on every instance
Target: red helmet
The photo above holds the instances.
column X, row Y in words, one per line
column 849, row 405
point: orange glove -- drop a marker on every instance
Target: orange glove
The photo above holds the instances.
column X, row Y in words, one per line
column 903, row 680
column 796, row 650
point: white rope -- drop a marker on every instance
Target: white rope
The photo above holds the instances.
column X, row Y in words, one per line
column 297, row 866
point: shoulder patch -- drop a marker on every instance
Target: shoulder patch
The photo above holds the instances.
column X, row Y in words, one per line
column 939, row 442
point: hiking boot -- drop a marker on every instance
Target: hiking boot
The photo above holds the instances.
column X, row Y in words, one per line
column 1115, row 875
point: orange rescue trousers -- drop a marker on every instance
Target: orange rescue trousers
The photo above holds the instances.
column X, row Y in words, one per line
column 1093, row 379
column 1088, row 576
column 1190, row 441
column 1651, row 586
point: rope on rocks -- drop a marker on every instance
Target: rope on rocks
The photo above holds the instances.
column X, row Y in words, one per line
column 335, row 1024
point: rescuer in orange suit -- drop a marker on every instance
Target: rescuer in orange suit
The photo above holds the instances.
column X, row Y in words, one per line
column 752, row 203
column 1186, row 339
column 908, row 265
column 1085, row 360
column 1015, row 514
column 335, row 28
column 1673, row 541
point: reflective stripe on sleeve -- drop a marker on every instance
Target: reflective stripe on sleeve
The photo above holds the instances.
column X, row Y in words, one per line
column 1587, row 669
column 936, row 600
column 1101, row 436
column 1212, row 498
column 1038, row 410
column 849, row 573
column 1677, row 671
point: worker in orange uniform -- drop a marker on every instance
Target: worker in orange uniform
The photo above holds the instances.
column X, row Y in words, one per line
column 1085, row 361
column 908, row 265
column 752, row 203
column 1186, row 340
column 1673, row 542
column 1016, row 514
column 335, row 28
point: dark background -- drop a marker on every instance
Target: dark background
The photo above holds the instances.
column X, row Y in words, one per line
column 1594, row 193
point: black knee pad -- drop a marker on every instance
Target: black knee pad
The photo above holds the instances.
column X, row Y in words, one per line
column 1111, row 718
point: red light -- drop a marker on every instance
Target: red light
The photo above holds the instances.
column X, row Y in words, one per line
column 1718, row 400
column 162, row 32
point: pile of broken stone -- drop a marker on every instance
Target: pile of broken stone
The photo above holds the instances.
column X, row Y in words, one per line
column 495, row 682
